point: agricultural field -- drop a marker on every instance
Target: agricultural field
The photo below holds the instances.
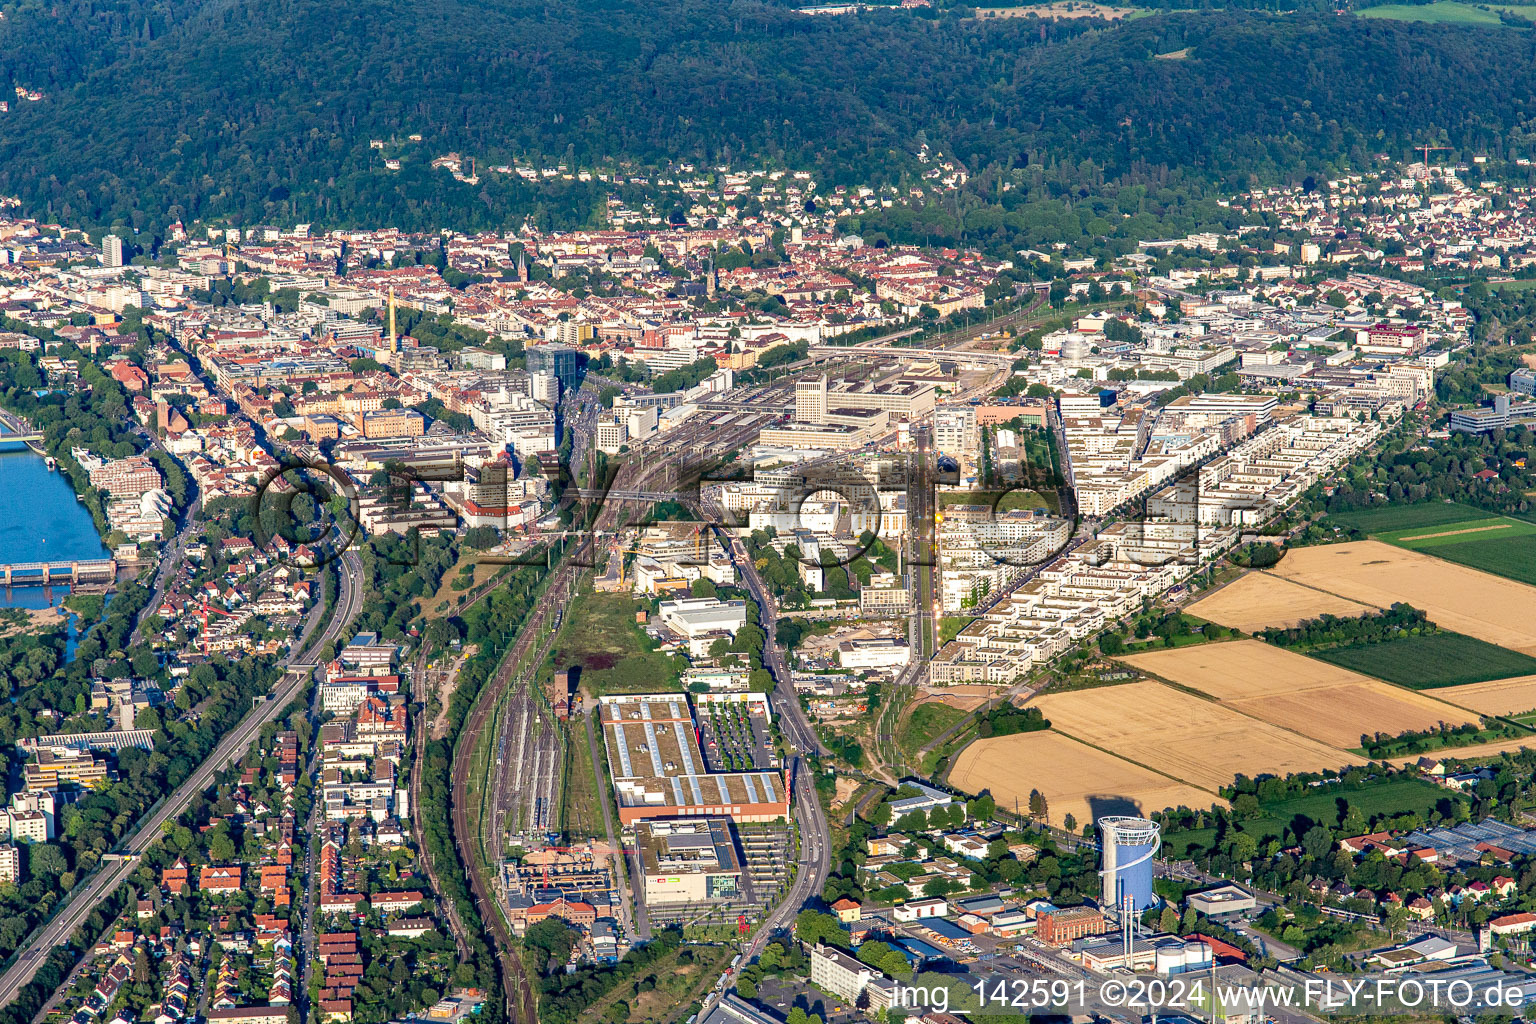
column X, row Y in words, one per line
column 1498, row 697
column 1442, row 12
column 1509, row 555
column 1409, row 517
column 1267, row 711
column 1075, row 778
column 1309, row 697
column 1198, row 742
column 1499, row 528
column 1457, row 598
column 1502, row 545
column 1431, row 661
column 1259, row 600
column 1065, row 9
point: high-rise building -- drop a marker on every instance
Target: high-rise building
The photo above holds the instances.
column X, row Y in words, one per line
column 954, row 429
column 543, row 387
column 111, row 251
column 811, row 400
column 560, row 360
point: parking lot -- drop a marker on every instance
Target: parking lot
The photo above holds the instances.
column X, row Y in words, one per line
column 734, row 739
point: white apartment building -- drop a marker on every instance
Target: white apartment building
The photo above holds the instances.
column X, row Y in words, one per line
column 839, row 973
column 30, row 818
column 1081, row 593
column 612, row 432
column 883, row 653
column 954, row 429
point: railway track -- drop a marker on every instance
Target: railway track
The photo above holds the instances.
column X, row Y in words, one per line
column 522, row 998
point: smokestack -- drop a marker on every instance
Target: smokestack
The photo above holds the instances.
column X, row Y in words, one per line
column 394, row 343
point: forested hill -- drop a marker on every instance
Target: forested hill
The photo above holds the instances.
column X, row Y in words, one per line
column 262, row 110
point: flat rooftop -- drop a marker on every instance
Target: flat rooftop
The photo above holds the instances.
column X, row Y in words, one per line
column 651, row 737
column 657, row 765
column 693, row 846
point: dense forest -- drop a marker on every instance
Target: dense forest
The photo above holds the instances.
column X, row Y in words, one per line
column 262, row 110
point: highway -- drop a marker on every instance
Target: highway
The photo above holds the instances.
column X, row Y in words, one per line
column 79, row 904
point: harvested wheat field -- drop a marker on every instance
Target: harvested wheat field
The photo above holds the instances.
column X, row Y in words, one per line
column 1478, row 604
column 1320, row 701
column 1260, row 600
column 1241, row 668
column 1075, row 778
column 1495, row 697
column 1197, row 741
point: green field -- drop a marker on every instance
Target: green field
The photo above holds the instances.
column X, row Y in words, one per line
column 951, row 625
column 1001, row 501
column 1443, row 12
column 601, row 637
column 927, row 723
column 1507, row 550
column 1394, row 518
column 1489, row 530
column 1427, row 662
column 1392, row 796
column 1513, row 559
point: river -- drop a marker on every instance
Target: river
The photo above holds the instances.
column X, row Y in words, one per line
column 40, row 520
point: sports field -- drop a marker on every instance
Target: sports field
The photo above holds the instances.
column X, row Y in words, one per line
column 1498, row 697
column 1199, row 742
column 1457, row 598
column 1313, row 698
column 1075, row 778
column 1436, row 660
column 1259, row 600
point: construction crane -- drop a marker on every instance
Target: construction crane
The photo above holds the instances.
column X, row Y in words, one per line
column 580, row 851
column 700, row 552
column 202, row 614
column 1426, row 150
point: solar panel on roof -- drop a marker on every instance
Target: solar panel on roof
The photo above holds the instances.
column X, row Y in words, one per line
column 623, row 746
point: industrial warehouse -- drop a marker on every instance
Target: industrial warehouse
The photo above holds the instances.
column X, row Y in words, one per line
column 659, row 769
